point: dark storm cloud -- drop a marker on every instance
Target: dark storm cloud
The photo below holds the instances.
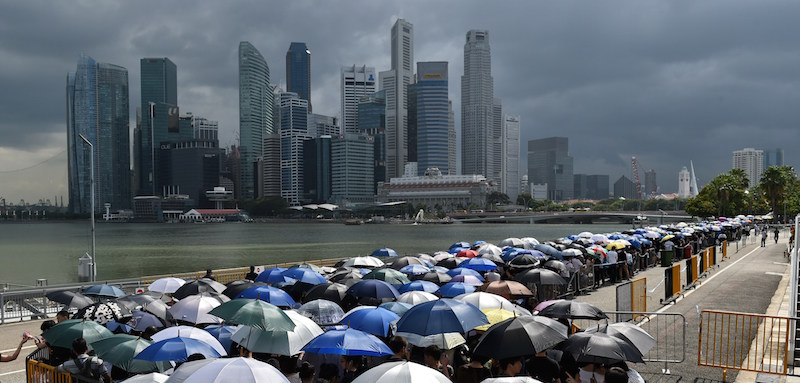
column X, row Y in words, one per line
column 666, row 81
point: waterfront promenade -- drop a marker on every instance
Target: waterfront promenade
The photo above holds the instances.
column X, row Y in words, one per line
column 752, row 279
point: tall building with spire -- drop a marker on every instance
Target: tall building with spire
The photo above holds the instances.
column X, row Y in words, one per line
column 395, row 83
column 478, row 140
column 298, row 71
column 255, row 117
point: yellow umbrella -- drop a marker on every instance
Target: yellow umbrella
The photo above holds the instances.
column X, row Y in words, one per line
column 667, row 237
column 495, row 316
column 615, row 245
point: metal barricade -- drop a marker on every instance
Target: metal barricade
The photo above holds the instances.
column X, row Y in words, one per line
column 742, row 341
column 669, row 331
column 39, row 372
column 632, row 297
column 672, row 285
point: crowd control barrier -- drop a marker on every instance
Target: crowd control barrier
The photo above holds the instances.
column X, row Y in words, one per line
column 37, row 372
column 741, row 341
column 724, row 250
column 669, row 331
column 672, row 287
column 692, row 269
column 632, row 296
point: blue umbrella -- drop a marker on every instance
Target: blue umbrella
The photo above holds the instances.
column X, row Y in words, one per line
column 384, row 252
column 441, row 316
column 461, row 244
column 304, row 275
column 269, row 294
column 465, row 271
column 414, row 270
column 107, row 291
column 478, row 243
column 454, row 289
column 376, row 321
column 440, row 269
column 426, row 286
column 176, row 349
column 549, row 250
column 478, row 264
column 347, row 342
column 373, row 288
column 273, row 275
column 510, row 253
column 141, row 320
column 222, row 333
column 114, row 326
column 398, row 308
column 457, row 249
column 468, row 280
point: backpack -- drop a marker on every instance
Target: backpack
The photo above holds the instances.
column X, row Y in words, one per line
column 89, row 368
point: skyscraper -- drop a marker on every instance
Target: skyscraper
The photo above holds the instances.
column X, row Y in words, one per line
column 549, row 163
column 773, row 157
column 357, row 82
column 496, row 135
column 451, row 139
column 395, row 82
column 751, row 161
column 478, row 145
column 372, row 122
column 352, row 169
column 159, row 123
column 98, row 108
column 650, row 185
column 625, row 188
column 510, row 157
column 432, row 116
column 298, row 71
column 293, row 123
column 255, row 116
column 684, row 190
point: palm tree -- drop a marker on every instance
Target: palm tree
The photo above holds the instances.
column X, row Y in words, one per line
column 774, row 183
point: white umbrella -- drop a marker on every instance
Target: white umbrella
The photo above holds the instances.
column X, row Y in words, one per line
column 513, row 242
column 153, row 377
column 511, row 379
column 368, row 261
column 279, row 342
column 190, row 332
column 195, row 309
column 530, row 241
column 442, row 255
column 416, row 297
column 182, row 372
column 166, row 285
column 585, row 234
column 241, row 370
column 489, row 249
column 445, row 341
column 484, row 301
column 406, row 372
column 599, row 239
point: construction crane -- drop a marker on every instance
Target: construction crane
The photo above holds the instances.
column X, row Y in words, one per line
column 635, row 166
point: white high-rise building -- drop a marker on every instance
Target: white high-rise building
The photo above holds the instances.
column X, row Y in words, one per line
column 395, row 82
column 357, row 82
column 510, row 157
column 684, row 182
column 479, row 146
column 751, row 161
column 451, row 139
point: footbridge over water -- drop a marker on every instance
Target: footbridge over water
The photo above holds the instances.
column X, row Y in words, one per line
column 582, row 217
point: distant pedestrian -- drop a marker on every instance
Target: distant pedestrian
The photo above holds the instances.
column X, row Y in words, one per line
column 763, row 238
column 252, row 275
column 777, row 231
column 209, row 275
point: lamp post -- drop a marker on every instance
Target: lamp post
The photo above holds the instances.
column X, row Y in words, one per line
column 93, row 275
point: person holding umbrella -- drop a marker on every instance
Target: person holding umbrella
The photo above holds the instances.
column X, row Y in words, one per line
column 437, row 360
column 83, row 364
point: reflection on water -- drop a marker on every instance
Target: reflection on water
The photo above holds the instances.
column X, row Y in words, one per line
column 124, row 250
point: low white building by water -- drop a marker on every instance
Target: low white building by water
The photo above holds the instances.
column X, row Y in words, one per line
column 450, row 192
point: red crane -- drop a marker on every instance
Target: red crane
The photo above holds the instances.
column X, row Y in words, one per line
column 635, row 166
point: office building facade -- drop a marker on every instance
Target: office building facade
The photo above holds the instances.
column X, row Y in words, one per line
column 510, row 157
column 429, row 114
column 298, row 71
column 478, row 145
column 751, row 161
column 395, row 82
column 317, row 170
column 255, row 116
column 293, row 124
column 372, row 122
column 773, row 157
column 549, row 163
column 352, row 178
column 159, row 122
column 650, row 184
column 625, row 188
column 590, row 186
column 356, row 82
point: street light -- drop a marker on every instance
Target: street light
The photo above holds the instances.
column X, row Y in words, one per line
column 93, row 275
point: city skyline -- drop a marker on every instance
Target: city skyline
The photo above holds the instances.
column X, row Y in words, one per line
column 655, row 85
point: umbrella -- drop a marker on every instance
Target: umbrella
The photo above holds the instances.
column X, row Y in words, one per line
column 530, row 241
column 160, row 310
column 513, row 242
column 511, row 379
column 273, row 275
column 436, row 277
column 557, row 266
column 442, row 255
column 62, row 334
column 667, row 237
column 269, row 294
column 104, row 312
column 322, row 311
column 384, row 252
column 412, row 270
column 222, row 333
column 630, row 333
column 166, row 285
column 449, row 263
column 441, row 316
column 495, row 316
column 616, row 245
column 202, row 285
column 507, row 288
column 549, row 250
column 368, row 261
column 138, row 300
column 520, row 336
column 333, row 292
column 452, row 289
column 153, row 377
column 182, row 372
column 467, row 253
column 468, row 279
column 445, row 341
column 245, row 370
column 116, row 327
column 421, row 285
column 119, row 350
column 195, row 309
column 398, row 308
column 106, row 291
column 497, row 259
column 562, row 309
column 539, row 277
column 140, row 320
column 347, row 342
column 305, row 275
column 254, row 312
column 484, row 301
column 375, row 320
column 489, row 249
column 70, row 298
column 286, row 343
column 344, row 275
column 176, row 350
column 388, row 275
column 572, row 252
column 416, row 297
column 407, row 372
column 310, row 266
column 599, row 347
column 373, row 290
column 478, row 264
column 402, row 262
column 190, row 332
column 464, row 271
column 525, row 261
column 236, row 287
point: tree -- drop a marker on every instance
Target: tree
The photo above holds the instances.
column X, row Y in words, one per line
column 497, row 198
column 775, row 184
column 723, row 196
column 525, row 199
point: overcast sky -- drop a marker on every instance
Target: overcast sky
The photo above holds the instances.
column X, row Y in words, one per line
column 665, row 81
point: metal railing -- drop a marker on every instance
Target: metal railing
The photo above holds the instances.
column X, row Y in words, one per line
column 742, row 341
column 40, row 372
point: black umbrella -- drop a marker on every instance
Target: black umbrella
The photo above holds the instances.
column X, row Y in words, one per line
column 202, row 285
column 70, row 298
column 449, row 263
column 558, row 267
column 401, row 262
column 160, row 310
column 539, row 277
column 104, row 312
column 236, row 287
column 523, row 262
column 297, row 290
column 137, row 300
column 520, row 336
column 630, row 333
column 436, row 277
column 343, row 274
column 599, row 347
column 562, row 309
column 333, row 292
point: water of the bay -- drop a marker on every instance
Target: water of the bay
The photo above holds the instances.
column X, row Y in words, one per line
column 128, row 250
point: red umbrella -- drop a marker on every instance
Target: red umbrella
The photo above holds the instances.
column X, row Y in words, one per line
column 469, row 253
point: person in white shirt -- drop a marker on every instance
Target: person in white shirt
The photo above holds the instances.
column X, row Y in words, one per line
column 611, row 259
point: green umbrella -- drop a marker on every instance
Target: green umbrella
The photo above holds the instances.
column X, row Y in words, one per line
column 119, row 350
column 388, row 275
column 255, row 313
column 62, row 334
